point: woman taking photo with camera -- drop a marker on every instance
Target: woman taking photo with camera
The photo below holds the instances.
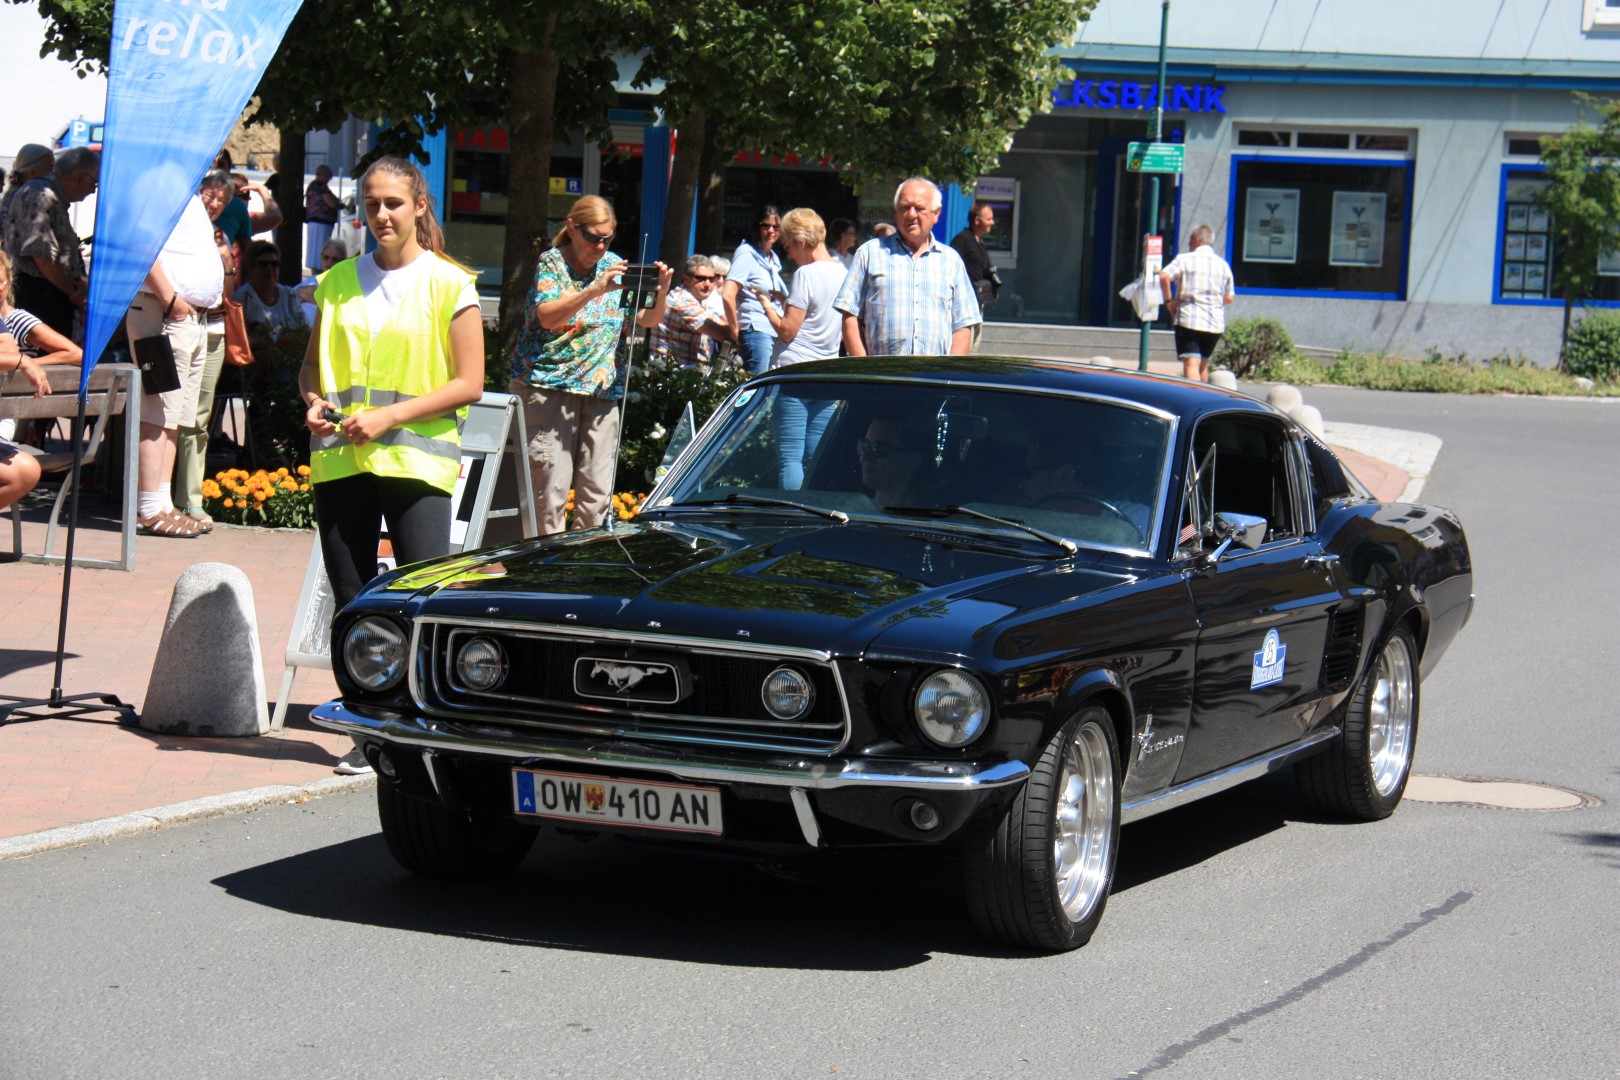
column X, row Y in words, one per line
column 398, row 349
column 567, row 368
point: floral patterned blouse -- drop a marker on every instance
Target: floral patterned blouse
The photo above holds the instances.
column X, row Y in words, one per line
column 583, row 357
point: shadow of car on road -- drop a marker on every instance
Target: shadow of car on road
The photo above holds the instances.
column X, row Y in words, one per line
column 872, row 910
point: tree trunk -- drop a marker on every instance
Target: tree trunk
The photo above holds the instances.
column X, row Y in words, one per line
column 711, row 223
column 683, row 184
column 530, row 126
column 290, row 233
column 1563, row 344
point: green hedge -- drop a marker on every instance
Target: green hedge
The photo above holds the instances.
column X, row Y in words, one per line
column 1594, row 346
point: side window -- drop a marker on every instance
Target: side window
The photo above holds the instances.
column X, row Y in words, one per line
column 1250, row 457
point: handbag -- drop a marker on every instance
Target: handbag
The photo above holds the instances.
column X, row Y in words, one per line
column 238, row 351
column 155, row 357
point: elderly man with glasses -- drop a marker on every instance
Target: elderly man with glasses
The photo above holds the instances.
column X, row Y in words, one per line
column 688, row 330
column 908, row 294
column 50, row 274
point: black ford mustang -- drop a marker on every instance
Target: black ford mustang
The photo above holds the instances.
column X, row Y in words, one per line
column 1003, row 604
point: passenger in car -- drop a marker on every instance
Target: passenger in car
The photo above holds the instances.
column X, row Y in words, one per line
column 1056, row 478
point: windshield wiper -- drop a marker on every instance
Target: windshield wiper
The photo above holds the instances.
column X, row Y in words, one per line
column 944, row 511
column 738, row 499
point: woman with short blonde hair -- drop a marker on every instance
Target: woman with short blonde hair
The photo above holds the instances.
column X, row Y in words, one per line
column 810, row 329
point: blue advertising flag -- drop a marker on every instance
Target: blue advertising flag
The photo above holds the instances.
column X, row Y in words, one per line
column 179, row 75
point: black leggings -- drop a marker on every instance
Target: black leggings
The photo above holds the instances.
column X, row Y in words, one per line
column 349, row 514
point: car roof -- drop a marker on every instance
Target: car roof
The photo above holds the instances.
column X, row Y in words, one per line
column 1168, row 393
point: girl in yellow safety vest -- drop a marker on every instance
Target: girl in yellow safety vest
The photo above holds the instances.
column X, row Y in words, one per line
column 398, row 350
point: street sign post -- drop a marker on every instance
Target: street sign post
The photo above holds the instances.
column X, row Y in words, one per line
column 1155, row 157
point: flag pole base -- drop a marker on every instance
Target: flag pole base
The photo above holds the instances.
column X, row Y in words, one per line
column 59, row 707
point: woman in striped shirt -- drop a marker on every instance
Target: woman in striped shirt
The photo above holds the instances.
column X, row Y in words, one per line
column 36, row 340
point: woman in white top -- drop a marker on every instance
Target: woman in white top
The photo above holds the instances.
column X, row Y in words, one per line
column 809, row 330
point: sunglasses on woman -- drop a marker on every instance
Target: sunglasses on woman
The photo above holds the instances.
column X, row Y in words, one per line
column 594, row 239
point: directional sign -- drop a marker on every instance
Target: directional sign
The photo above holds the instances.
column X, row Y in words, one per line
column 1155, row 157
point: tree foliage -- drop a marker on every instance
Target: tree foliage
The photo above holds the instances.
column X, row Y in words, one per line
column 1583, row 199
column 888, row 87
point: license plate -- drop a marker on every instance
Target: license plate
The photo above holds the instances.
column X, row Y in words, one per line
column 597, row 800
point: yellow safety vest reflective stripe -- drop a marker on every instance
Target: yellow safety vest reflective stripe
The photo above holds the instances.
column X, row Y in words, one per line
column 409, row 357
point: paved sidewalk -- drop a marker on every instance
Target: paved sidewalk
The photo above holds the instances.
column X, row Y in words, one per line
column 65, row 782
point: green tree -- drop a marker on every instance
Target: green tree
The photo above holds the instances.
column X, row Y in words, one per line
column 1583, row 199
column 885, row 86
column 882, row 86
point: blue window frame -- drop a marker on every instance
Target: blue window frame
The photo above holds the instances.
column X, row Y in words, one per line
column 1320, row 226
column 1527, row 247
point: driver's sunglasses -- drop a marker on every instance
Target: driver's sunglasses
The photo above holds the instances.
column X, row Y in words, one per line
column 868, row 448
column 594, row 239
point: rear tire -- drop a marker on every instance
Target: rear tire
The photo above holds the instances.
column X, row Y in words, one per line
column 1363, row 774
column 427, row 839
column 1039, row 876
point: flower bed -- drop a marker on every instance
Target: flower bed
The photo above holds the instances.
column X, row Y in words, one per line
column 279, row 499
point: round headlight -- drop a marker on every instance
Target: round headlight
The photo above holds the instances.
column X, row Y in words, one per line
column 788, row 695
column 952, row 708
column 374, row 653
column 481, row 665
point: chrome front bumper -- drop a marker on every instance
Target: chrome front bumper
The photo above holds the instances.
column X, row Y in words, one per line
column 777, row 770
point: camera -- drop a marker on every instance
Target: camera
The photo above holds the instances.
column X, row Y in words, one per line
column 640, row 282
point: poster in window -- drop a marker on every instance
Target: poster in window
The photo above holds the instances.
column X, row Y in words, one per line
column 1512, row 276
column 1535, row 279
column 1535, row 247
column 1513, row 246
column 1358, row 228
column 1271, row 225
column 1540, row 221
column 1518, row 217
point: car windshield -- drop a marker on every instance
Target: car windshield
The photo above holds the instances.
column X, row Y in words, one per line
column 1089, row 469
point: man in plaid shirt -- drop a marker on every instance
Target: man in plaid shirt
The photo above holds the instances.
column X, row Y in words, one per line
column 684, row 334
column 1203, row 289
column 909, row 294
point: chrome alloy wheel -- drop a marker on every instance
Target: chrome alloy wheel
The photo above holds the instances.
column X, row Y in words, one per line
column 1084, row 833
column 1390, row 713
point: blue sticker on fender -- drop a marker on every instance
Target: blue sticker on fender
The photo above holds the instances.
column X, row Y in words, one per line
column 1269, row 662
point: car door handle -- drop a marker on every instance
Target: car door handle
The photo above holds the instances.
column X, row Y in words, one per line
column 1322, row 559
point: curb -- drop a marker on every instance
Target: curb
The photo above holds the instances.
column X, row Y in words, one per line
column 1412, row 452
column 240, row 802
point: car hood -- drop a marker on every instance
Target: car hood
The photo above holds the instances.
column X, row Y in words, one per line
column 837, row 588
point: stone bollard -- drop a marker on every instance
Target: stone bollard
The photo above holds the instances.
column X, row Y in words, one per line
column 1223, row 378
column 208, row 678
column 1308, row 417
column 1283, row 396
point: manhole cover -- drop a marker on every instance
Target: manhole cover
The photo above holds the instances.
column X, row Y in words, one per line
column 1494, row 793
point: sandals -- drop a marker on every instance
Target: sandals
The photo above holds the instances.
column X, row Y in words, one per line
column 205, row 523
column 169, row 523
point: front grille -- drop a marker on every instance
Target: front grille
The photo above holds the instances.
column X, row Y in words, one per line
column 722, row 704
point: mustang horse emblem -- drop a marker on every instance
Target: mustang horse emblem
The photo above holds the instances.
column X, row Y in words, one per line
column 621, row 677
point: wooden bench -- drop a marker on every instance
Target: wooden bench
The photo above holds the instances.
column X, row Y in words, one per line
column 112, row 388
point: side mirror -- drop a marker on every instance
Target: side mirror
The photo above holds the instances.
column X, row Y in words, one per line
column 1245, row 530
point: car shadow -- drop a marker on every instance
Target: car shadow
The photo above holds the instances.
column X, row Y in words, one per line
column 1180, row 839
column 878, row 911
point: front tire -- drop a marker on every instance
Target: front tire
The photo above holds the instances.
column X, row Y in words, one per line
column 427, row 839
column 1039, row 876
column 1363, row 774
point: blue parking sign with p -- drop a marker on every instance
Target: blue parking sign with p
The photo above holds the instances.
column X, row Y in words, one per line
column 78, row 133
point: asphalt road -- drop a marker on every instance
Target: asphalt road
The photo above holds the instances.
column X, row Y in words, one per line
column 1243, row 939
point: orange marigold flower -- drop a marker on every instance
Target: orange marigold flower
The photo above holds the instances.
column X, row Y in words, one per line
column 303, row 470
